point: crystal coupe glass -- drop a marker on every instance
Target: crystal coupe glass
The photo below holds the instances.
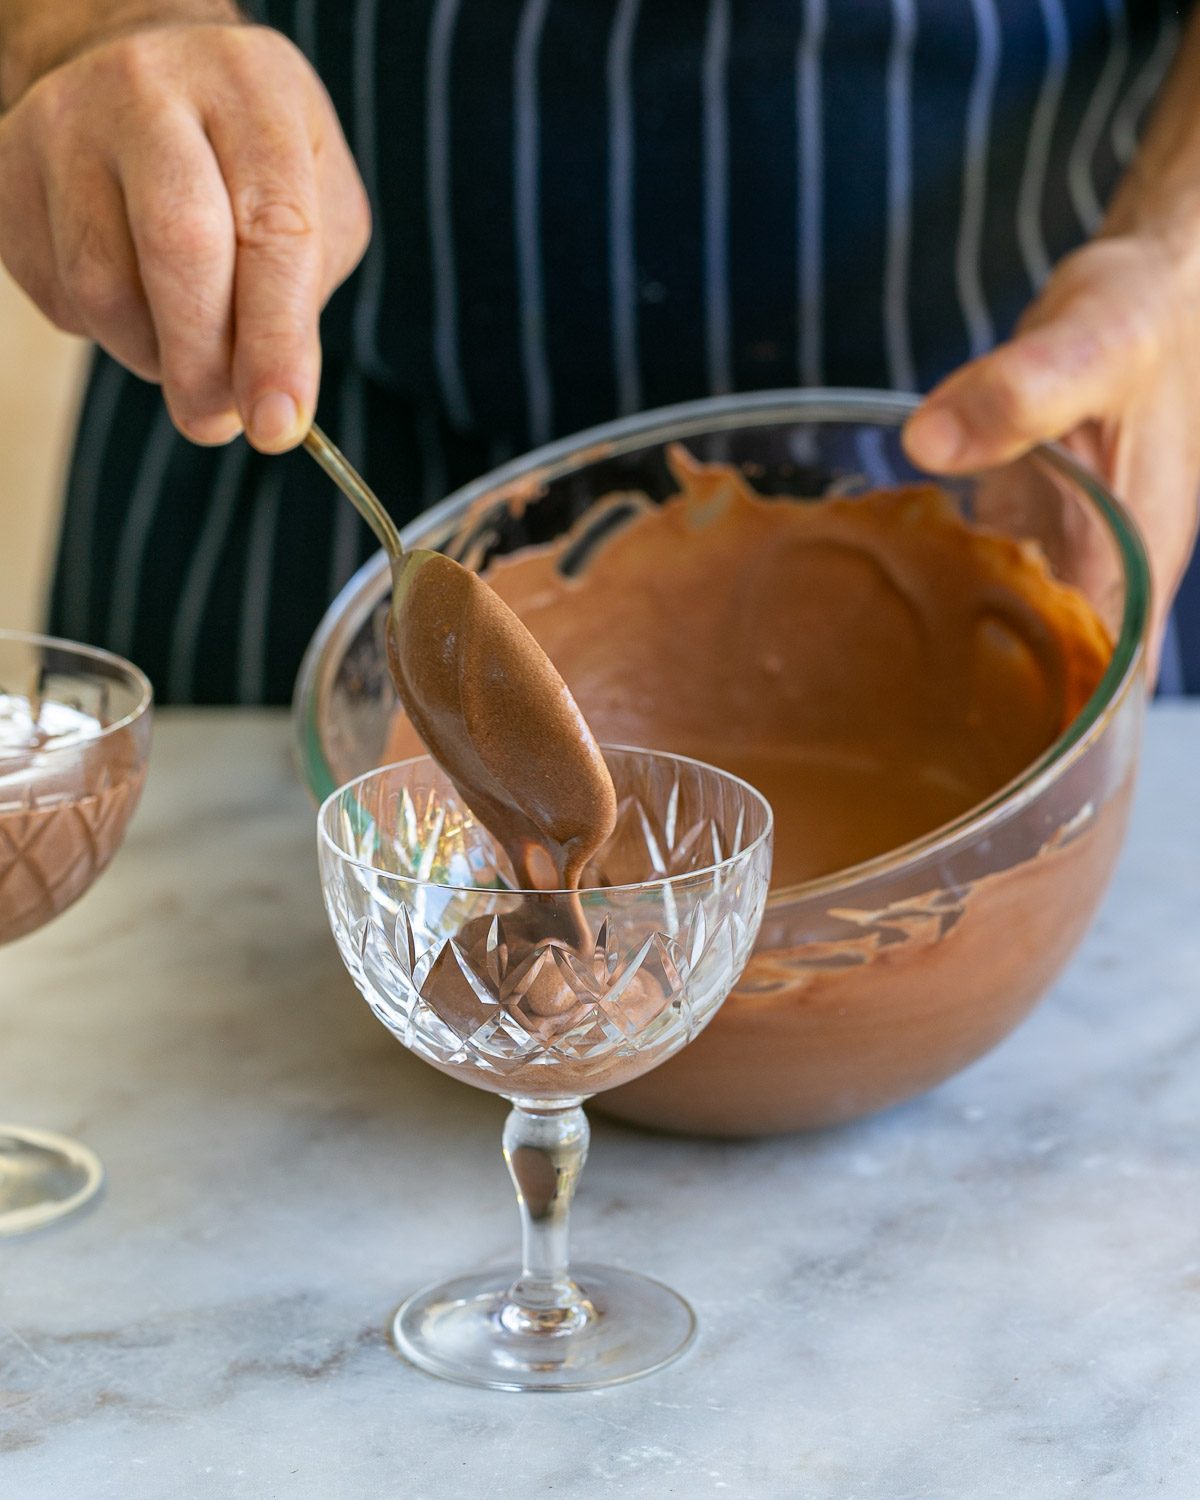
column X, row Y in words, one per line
column 74, row 743
column 546, row 998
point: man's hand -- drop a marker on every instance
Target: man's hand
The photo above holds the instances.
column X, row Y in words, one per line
column 183, row 194
column 1107, row 358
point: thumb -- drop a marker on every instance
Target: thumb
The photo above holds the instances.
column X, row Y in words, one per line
column 1061, row 370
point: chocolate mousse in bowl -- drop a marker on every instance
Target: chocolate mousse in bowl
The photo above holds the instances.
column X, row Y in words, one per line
column 938, row 685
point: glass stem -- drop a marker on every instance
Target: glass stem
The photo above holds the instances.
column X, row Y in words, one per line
column 545, row 1149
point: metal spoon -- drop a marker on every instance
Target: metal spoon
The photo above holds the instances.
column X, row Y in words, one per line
column 355, row 488
column 488, row 703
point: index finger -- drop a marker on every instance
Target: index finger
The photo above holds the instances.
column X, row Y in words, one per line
column 270, row 175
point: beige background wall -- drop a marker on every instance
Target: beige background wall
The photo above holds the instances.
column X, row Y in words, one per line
column 39, row 384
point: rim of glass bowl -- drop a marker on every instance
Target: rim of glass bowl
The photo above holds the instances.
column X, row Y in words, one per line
column 139, row 679
column 765, row 408
column 704, row 872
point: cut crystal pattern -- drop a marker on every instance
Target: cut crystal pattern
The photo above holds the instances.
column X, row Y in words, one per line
column 468, row 977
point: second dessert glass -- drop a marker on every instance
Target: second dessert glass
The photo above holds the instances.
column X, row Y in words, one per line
column 74, row 742
column 546, row 998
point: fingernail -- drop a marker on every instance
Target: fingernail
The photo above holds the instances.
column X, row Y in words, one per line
column 935, row 437
column 275, row 421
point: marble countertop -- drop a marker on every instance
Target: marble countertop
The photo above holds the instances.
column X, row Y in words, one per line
column 993, row 1291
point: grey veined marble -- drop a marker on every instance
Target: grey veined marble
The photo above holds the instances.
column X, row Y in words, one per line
column 992, row 1292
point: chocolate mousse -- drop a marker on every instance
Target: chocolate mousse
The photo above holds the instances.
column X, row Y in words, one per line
column 67, row 791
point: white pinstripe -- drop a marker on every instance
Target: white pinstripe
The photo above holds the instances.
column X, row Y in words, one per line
column 135, row 534
column 352, row 435
column 222, row 504
column 87, row 471
column 897, row 337
column 1082, row 189
column 370, row 283
column 809, row 199
column 441, row 230
column 717, row 318
column 526, row 149
column 256, row 586
column 1127, row 119
column 967, row 269
column 1030, row 236
column 621, row 261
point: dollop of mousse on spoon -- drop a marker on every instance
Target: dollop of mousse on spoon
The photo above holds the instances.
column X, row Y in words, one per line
column 498, row 718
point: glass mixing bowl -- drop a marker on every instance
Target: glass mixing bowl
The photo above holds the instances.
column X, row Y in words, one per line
column 875, row 983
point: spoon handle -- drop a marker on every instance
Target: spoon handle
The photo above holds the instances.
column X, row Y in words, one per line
column 355, row 488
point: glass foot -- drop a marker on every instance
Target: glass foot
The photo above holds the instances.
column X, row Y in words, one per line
column 43, row 1177
column 470, row 1331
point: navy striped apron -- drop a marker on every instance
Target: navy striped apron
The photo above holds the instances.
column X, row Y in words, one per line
column 588, row 207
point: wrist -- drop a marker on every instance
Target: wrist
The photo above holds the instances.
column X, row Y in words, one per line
column 37, row 37
column 1157, row 202
column 1165, row 222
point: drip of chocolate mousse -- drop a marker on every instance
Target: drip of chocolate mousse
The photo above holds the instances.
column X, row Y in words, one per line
column 499, row 720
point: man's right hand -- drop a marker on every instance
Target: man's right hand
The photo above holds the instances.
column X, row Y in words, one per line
column 184, row 195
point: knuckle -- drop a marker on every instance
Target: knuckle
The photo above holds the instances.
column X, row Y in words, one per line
column 280, row 336
column 263, row 217
column 50, row 106
column 101, row 295
column 1134, row 330
column 248, row 53
column 189, row 231
column 1008, row 394
column 134, row 63
column 95, row 283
